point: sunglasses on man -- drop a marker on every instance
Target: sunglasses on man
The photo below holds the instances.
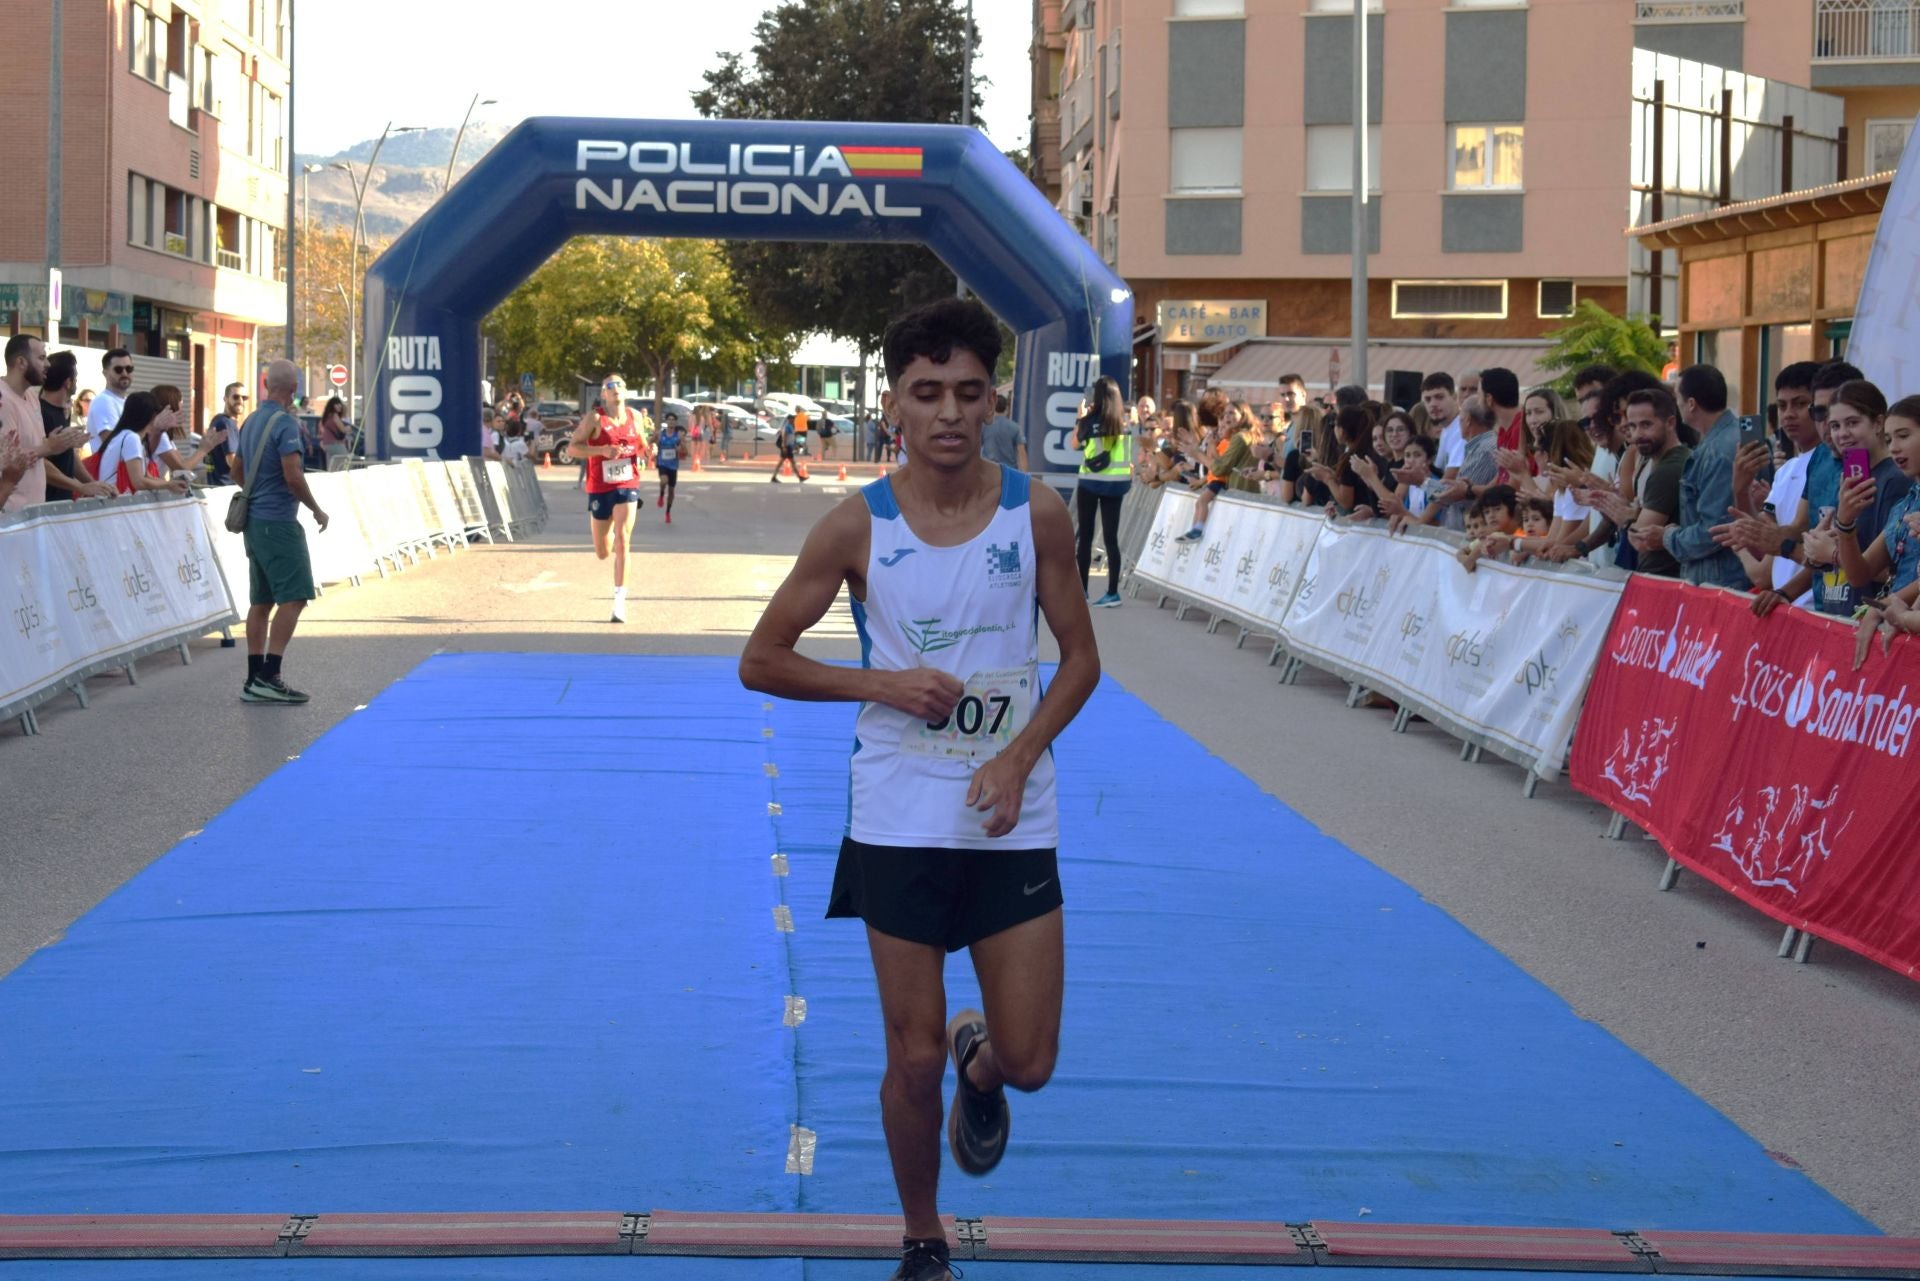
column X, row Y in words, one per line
column 121, row 369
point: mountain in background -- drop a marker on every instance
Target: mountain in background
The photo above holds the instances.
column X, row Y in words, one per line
column 405, row 183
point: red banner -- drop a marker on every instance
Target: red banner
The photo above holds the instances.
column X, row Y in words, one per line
column 1761, row 760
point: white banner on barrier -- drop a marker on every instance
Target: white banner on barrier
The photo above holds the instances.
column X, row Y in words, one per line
column 1502, row 654
column 89, row 584
column 1251, row 561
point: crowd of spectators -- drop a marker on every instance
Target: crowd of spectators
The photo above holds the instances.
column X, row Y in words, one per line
column 1812, row 503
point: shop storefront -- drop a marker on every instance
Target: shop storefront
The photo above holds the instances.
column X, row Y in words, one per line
column 1769, row 282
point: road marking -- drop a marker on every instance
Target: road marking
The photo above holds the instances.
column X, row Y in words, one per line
column 545, row 581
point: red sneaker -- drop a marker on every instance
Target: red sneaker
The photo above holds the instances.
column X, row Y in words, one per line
column 659, row 500
column 669, row 518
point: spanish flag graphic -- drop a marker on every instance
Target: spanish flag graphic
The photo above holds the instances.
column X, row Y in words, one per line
column 883, row 162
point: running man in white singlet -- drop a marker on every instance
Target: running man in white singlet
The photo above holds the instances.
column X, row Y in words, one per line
column 953, row 820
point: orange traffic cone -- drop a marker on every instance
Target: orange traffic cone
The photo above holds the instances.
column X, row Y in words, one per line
column 843, row 471
column 883, row 471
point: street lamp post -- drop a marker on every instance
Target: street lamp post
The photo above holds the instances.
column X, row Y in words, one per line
column 454, row 156
column 360, row 186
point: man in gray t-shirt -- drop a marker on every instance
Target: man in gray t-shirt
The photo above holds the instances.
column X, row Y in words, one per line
column 266, row 459
column 1002, row 441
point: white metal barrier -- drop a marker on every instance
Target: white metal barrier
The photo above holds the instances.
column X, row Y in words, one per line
column 1499, row 658
column 96, row 585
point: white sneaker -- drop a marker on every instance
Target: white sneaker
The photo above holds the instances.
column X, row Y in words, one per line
column 619, row 604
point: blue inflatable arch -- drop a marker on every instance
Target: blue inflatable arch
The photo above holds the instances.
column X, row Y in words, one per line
column 551, row 179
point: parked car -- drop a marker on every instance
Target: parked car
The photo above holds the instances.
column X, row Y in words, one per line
column 557, row 421
column 744, row 422
column 672, row 409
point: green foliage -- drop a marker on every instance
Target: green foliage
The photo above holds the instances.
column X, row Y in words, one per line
column 889, row 60
column 1595, row 336
column 642, row 308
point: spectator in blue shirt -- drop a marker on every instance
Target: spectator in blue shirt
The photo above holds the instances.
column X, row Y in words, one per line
column 267, row 460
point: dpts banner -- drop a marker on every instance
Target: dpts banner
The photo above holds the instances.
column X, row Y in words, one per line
column 1499, row 656
column 1252, row 560
column 88, row 584
column 1762, row 761
column 943, row 186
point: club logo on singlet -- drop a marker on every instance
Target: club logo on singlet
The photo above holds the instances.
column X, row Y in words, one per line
column 899, row 554
column 1003, row 565
column 927, row 636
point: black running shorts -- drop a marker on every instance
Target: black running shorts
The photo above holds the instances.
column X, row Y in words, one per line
column 944, row 898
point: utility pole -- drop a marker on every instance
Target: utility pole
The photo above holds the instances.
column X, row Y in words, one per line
column 1358, row 300
column 966, row 108
column 305, row 229
column 54, row 166
column 293, row 234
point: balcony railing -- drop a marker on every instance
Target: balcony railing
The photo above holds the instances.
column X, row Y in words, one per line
column 1866, row 30
column 232, row 261
column 1654, row 11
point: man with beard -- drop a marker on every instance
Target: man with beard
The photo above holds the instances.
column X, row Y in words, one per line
column 21, row 430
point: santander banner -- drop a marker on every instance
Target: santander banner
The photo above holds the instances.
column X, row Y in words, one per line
column 1760, row 759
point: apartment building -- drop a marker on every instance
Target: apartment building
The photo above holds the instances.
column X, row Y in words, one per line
column 172, row 181
column 1206, row 152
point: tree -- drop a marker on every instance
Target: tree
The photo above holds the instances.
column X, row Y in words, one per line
column 887, row 60
column 607, row 304
column 1595, row 336
column 322, row 281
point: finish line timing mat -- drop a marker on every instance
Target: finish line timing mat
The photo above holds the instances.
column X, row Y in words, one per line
column 540, row 931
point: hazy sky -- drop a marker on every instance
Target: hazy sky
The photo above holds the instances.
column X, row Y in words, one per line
column 362, row 63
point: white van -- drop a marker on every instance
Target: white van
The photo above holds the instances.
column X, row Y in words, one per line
column 780, row 404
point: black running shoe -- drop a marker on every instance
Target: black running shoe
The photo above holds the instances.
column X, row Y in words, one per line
column 979, row 1122
column 924, row 1261
column 270, row 689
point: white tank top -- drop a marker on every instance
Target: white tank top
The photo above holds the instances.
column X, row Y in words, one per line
column 972, row 611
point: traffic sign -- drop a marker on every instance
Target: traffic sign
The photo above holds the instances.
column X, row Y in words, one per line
column 337, row 375
column 526, row 384
column 759, row 378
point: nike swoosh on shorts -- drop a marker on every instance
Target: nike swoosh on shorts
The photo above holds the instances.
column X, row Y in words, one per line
column 1031, row 890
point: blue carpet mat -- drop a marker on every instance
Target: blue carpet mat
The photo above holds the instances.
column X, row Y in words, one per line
column 506, row 940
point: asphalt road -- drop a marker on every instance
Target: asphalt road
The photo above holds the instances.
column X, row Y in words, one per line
column 1815, row 1061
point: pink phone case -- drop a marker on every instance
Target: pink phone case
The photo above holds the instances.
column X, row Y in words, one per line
column 1854, row 464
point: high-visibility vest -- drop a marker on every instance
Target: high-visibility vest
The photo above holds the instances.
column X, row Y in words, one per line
column 1119, row 466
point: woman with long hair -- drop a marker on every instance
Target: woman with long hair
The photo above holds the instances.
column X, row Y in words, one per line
column 128, row 453
column 1566, row 450
column 333, row 430
column 1101, row 436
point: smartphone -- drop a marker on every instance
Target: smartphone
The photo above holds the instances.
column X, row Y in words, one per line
column 1753, row 431
column 1854, row 464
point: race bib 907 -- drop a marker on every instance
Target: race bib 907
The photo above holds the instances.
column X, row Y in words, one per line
column 994, row 709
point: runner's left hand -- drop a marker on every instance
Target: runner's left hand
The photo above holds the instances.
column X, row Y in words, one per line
column 1000, row 785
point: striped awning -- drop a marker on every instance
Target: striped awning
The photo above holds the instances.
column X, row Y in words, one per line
column 1325, row 362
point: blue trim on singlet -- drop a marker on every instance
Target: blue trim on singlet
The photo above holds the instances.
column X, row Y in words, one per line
column 866, row 660
column 880, row 499
column 860, row 625
column 1016, row 488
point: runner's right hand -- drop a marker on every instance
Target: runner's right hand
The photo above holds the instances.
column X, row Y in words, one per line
column 922, row 692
